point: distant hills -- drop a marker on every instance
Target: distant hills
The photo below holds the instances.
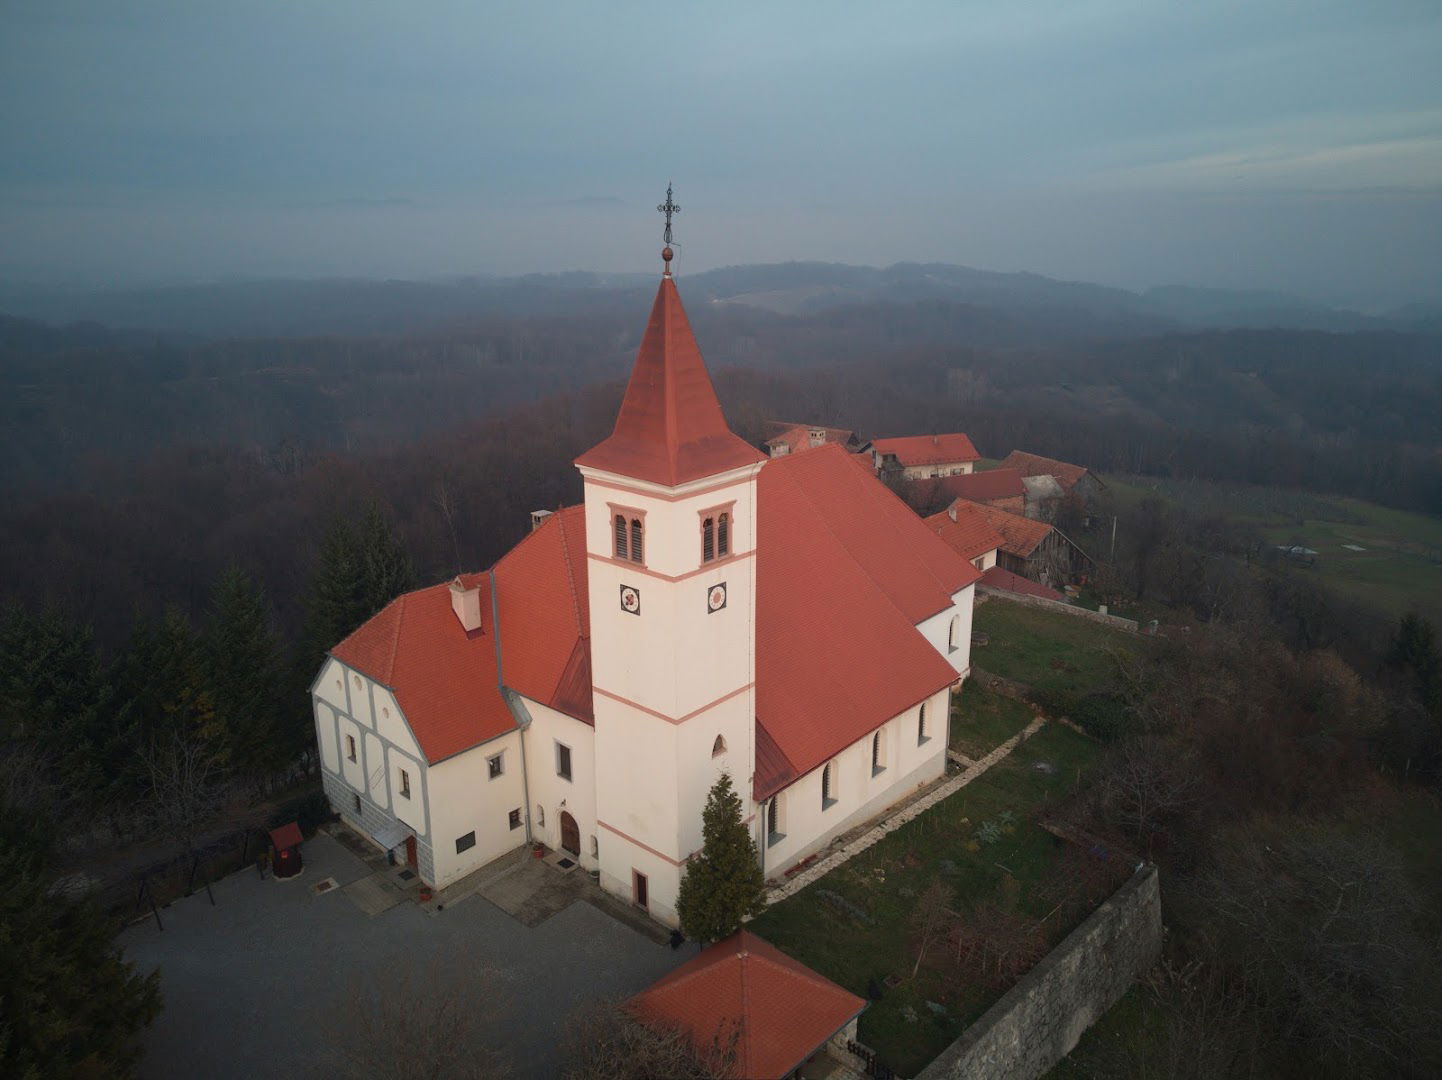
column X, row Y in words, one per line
column 325, row 307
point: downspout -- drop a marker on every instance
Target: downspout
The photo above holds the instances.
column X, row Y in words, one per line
column 519, row 715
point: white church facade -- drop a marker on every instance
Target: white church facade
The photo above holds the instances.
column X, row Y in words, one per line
column 788, row 621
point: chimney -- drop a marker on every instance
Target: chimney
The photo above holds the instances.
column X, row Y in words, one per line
column 466, row 603
column 538, row 518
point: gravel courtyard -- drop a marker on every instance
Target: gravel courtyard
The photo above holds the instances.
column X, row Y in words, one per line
column 253, row 985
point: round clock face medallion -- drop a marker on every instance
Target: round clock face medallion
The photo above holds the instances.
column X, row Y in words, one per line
column 716, row 597
column 630, row 600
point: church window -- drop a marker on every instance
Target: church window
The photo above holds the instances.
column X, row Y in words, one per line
column 775, row 820
column 708, row 539
column 622, row 550
column 828, row 785
column 494, row 767
column 719, row 746
column 921, row 735
column 563, row 761
column 878, row 754
column 513, row 819
column 350, row 747
column 540, row 816
column 955, row 632
column 723, row 536
column 405, row 784
column 595, row 847
column 636, row 551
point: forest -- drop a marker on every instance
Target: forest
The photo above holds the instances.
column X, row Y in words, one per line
column 190, row 520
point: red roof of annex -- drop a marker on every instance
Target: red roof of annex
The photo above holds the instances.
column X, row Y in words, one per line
column 965, row 529
column 928, row 449
column 747, row 997
column 1066, row 473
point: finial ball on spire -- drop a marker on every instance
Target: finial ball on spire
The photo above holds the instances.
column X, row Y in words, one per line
column 666, row 254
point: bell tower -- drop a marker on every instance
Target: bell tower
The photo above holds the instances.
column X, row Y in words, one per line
column 670, row 502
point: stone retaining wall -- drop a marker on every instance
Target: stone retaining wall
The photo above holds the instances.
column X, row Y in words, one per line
column 1056, row 605
column 1040, row 1019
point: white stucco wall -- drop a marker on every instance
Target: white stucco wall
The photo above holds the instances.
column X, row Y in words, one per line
column 548, row 790
column 859, row 795
column 325, row 726
column 411, row 811
column 937, row 630
column 463, row 799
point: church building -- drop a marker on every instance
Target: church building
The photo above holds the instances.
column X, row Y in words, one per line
column 705, row 609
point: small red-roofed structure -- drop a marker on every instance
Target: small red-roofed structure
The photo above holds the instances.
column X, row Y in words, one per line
column 285, row 841
column 765, row 1012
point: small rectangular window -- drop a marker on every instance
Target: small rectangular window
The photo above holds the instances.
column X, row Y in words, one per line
column 355, row 798
column 350, row 747
column 494, row 767
column 465, row 843
column 405, row 784
column 515, row 818
column 638, row 889
column 563, row 761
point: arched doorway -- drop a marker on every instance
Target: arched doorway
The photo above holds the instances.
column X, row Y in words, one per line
column 570, row 834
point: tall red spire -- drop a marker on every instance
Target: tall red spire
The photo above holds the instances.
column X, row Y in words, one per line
column 670, row 429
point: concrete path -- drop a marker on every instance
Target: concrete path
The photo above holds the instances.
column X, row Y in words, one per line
column 254, row 985
column 889, row 825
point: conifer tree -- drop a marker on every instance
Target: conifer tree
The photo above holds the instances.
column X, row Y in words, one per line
column 388, row 568
column 723, row 883
column 337, row 602
column 71, row 1005
column 243, row 673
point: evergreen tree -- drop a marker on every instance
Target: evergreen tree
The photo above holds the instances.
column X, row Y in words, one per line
column 388, row 569
column 338, row 598
column 1415, row 651
column 723, row 883
column 71, row 1005
column 243, row 670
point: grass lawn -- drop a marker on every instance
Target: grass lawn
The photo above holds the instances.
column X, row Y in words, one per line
column 854, row 925
column 1048, row 650
column 981, row 719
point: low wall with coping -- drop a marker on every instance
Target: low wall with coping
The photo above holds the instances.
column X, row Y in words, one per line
column 1056, row 605
column 1040, row 1019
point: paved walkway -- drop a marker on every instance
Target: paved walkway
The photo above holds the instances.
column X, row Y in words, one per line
column 858, row 844
column 254, row 986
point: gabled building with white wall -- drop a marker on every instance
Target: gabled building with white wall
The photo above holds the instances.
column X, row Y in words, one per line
column 705, row 609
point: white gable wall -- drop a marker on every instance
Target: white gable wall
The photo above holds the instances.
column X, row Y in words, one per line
column 463, row 799
column 937, row 630
column 548, row 789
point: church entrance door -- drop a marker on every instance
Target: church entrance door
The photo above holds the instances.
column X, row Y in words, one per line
column 570, row 834
column 411, row 852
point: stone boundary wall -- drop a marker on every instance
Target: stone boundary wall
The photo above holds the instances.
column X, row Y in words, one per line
column 1040, row 1019
column 1056, row 605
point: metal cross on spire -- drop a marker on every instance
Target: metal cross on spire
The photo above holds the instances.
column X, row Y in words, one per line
column 668, row 208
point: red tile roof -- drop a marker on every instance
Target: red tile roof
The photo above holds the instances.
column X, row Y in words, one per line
column 1020, row 535
column 670, row 429
column 968, row 532
column 928, row 449
column 778, row 1011
column 798, row 436
column 998, row 578
column 1035, row 465
column 844, row 573
column 980, row 486
column 443, row 678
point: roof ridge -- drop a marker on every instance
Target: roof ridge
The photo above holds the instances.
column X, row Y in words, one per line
column 396, row 638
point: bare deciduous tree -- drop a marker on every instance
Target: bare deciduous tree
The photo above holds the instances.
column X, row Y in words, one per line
column 185, row 786
column 931, row 919
column 608, row 1042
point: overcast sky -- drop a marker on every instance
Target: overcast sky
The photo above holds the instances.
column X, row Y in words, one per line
column 1253, row 144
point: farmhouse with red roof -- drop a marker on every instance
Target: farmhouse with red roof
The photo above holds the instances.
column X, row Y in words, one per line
column 920, row 457
column 704, row 610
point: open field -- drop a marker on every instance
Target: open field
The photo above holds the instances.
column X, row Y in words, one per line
column 1387, row 559
column 855, row 925
column 982, row 719
column 1049, row 651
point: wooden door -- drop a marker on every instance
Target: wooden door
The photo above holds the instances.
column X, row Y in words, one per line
column 570, row 834
column 411, row 851
column 638, row 888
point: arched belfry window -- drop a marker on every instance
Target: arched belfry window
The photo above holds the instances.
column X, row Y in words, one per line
column 636, row 549
column 622, row 549
column 723, row 536
column 719, row 746
column 708, row 539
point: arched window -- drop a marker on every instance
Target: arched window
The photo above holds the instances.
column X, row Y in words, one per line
column 636, row 551
column 951, row 643
column 828, row 785
column 921, row 725
column 708, row 539
column 621, row 547
column 540, row 816
column 719, row 746
column 723, row 536
column 878, row 754
column 775, row 819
